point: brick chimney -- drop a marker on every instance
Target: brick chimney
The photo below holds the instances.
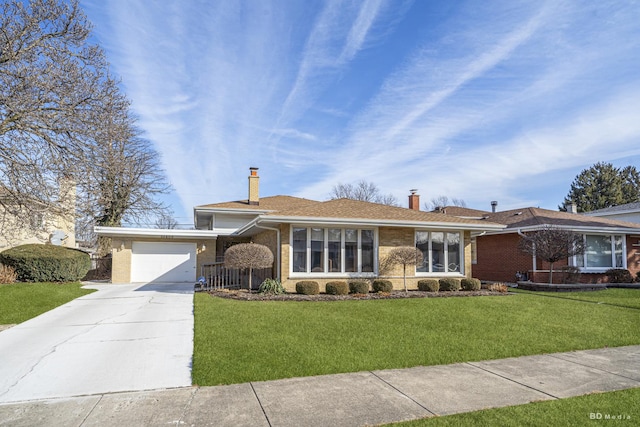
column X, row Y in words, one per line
column 414, row 200
column 254, row 181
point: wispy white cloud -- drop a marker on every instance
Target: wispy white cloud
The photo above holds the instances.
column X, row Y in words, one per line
column 474, row 100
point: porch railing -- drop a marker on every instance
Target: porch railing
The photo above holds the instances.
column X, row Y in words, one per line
column 217, row 276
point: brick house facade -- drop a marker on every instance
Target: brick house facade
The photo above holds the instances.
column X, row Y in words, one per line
column 499, row 259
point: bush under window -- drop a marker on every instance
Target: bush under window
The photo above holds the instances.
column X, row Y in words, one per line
column 428, row 285
column 307, row 287
column 449, row 284
column 380, row 285
column 337, row 288
column 359, row 287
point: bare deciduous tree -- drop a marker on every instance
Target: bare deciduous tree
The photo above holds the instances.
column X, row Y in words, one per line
column 404, row 255
column 63, row 115
column 166, row 221
column 248, row 255
column 363, row 191
column 443, row 201
column 552, row 244
column 51, row 89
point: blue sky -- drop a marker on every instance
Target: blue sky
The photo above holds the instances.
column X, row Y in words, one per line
column 499, row 100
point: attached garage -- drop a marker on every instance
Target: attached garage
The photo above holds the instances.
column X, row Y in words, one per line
column 143, row 255
column 163, row 262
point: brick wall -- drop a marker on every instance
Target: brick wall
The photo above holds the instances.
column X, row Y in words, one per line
column 499, row 258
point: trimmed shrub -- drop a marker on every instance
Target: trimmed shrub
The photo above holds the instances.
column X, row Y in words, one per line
column 271, row 287
column 428, row 285
column 307, row 287
column 7, row 274
column 381, row 285
column 470, row 284
column 46, row 263
column 619, row 275
column 571, row 274
column 337, row 288
column 498, row 287
column 358, row 287
column 449, row 284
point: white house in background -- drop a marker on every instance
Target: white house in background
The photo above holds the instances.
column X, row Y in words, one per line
column 44, row 226
column 629, row 212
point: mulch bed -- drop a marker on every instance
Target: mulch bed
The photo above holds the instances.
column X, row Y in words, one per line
column 245, row 296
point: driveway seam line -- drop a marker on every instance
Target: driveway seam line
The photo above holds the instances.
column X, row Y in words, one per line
column 403, row 394
column 187, row 406
column 91, row 411
column 260, row 403
column 511, row 379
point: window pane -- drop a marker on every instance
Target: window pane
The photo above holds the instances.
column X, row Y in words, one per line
column 366, row 237
column 350, row 250
column 598, row 251
column 317, row 250
column 335, row 260
column 437, row 251
column 618, row 251
column 422, row 243
column 300, row 249
column 453, row 252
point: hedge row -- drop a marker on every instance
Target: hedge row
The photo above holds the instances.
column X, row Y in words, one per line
column 46, row 263
column 308, row 287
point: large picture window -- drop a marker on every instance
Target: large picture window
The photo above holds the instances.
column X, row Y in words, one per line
column 602, row 252
column 332, row 250
column 441, row 252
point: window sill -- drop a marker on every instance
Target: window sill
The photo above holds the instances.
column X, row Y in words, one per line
column 330, row 275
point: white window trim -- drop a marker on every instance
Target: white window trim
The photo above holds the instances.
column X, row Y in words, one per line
column 586, row 269
column 332, row 274
column 460, row 273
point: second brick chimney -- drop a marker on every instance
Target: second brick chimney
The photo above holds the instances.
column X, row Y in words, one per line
column 414, row 200
column 254, row 181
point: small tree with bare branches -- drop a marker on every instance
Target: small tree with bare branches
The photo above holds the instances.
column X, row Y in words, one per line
column 404, row 255
column 552, row 244
column 248, row 255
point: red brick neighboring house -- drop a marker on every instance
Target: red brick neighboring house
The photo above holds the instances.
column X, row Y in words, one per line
column 496, row 257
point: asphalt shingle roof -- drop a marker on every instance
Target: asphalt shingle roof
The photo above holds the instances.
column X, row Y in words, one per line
column 528, row 217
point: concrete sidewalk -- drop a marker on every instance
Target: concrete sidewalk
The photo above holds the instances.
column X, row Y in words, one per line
column 355, row 399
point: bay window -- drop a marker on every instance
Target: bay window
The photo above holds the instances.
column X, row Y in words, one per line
column 441, row 252
column 332, row 250
column 602, row 252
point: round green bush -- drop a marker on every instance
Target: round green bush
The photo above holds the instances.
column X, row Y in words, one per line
column 381, row 285
column 428, row 285
column 358, row 287
column 337, row 288
column 470, row 284
column 449, row 284
column 46, row 263
column 307, row 287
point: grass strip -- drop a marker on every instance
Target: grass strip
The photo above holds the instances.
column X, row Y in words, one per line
column 241, row 341
column 621, row 297
column 23, row 301
column 612, row 408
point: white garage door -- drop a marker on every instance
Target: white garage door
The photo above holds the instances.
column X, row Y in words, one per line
column 163, row 262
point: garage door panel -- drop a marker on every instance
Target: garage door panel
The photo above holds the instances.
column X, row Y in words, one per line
column 163, row 262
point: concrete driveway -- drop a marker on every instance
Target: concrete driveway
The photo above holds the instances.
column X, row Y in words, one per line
column 121, row 338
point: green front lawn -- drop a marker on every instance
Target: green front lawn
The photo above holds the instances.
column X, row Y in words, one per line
column 241, row 341
column 23, row 301
column 614, row 408
column 620, row 297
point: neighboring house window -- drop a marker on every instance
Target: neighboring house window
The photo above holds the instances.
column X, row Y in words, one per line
column 441, row 252
column 332, row 250
column 602, row 252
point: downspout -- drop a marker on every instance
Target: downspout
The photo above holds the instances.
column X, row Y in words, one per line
column 278, row 249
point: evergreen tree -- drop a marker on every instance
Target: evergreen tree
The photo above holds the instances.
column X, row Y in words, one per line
column 602, row 186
